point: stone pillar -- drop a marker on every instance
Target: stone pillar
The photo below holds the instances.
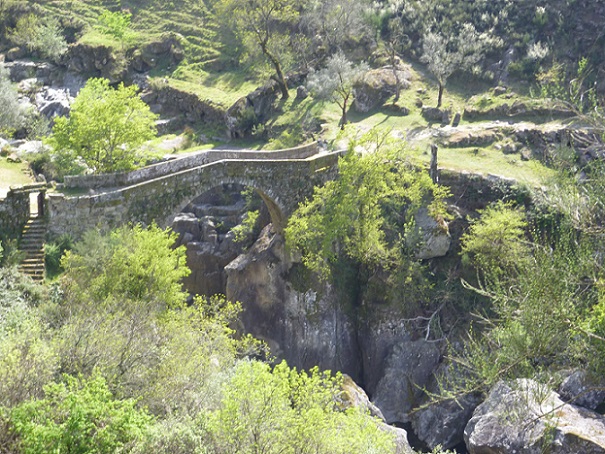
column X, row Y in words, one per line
column 433, row 167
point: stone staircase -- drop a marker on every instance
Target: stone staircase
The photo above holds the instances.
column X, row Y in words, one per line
column 32, row 243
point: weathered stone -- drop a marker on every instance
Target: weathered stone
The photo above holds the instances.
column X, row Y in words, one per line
column 472, row 138
column 301, row 324
column 433, row 115
column 580, row 389
column 353, row 396
column 527, row 417
column 456, row 121
column 13, row 157
column 301, row 92
column 408, row 370
column 377, row 86
column 436, row 236
column 499, row 90
column 52, row 102
column 442, row 423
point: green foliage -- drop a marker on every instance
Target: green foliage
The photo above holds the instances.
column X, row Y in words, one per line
column 335, row 82
column 78, row 416
column 535, row 313
column 286, row 411
column 39, row 34
column 116, row 24
column 104, row 128
column 53, row 251
column 244, row 231
column 367, row 214
column 495, row 243
column 262, row 25
column 130, row 262
column 11, row 112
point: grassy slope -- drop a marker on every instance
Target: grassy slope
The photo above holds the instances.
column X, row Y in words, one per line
column 12, row 174
column 193, row 21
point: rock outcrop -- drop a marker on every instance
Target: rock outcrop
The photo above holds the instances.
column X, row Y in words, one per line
column 302, row 323
column 409, row 366
column 377, row 86
column 527, row 417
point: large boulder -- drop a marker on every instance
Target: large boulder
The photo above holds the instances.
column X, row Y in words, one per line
column 436, row 236
column 527, row 417
column 408, row 371
column 301, row 320
column 442, row 423
column 53, row 102
column 354, row 396
column 579, row 388
column 377, row 86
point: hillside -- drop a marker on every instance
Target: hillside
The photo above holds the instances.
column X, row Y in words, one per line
column 428, row 266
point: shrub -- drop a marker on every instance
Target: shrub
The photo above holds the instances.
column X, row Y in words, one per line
column 79, row 415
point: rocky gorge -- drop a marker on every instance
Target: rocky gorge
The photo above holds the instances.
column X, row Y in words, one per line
column 386, row 349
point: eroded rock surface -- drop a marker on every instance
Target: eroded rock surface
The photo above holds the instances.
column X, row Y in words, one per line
column 526, row 417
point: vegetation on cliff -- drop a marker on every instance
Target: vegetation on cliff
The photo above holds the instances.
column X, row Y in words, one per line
column 112, row 358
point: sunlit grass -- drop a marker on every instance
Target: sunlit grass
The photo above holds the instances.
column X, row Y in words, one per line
column 12, row 174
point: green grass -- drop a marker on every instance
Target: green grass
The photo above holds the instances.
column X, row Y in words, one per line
column 223, row 88
column 488, row 161
column 12, row 174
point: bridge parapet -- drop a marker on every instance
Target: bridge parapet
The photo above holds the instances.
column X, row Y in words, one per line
column 120, row 179
column 282, row 184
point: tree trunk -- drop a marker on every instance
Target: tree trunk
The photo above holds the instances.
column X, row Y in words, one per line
column 343, row 119
column 281, row 80
column 440, row 98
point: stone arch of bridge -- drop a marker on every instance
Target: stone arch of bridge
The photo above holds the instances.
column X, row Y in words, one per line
column 277, row 210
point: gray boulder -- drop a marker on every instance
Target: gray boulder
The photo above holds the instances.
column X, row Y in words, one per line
column 377, row 86
column 580, row 389
column 436, row 236
column 53, row 102
column 527, row 417
column 354, row 396
column 408, row 370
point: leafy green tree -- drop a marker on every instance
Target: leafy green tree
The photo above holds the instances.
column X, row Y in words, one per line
column 116, row 24
column 445, row 54
column 105, row 127
column 495, row 243
column 78, row 416
column 263, row 25
column 131, row 262
column 286, row 411
column 367, row 214
column 335, row 82
column 39, row 34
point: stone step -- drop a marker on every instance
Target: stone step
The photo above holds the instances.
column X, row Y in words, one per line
column 32, row 244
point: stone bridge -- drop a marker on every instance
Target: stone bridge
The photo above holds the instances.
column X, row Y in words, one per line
column 282, row 178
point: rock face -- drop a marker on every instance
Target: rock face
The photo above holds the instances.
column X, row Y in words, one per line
column 527, row 417
column 410, row 365
column 436, row 236
column 579, row 389
column 305, row 327
column 53, row 102
column 204, row 229
column 443, row 423
column 377, row 86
